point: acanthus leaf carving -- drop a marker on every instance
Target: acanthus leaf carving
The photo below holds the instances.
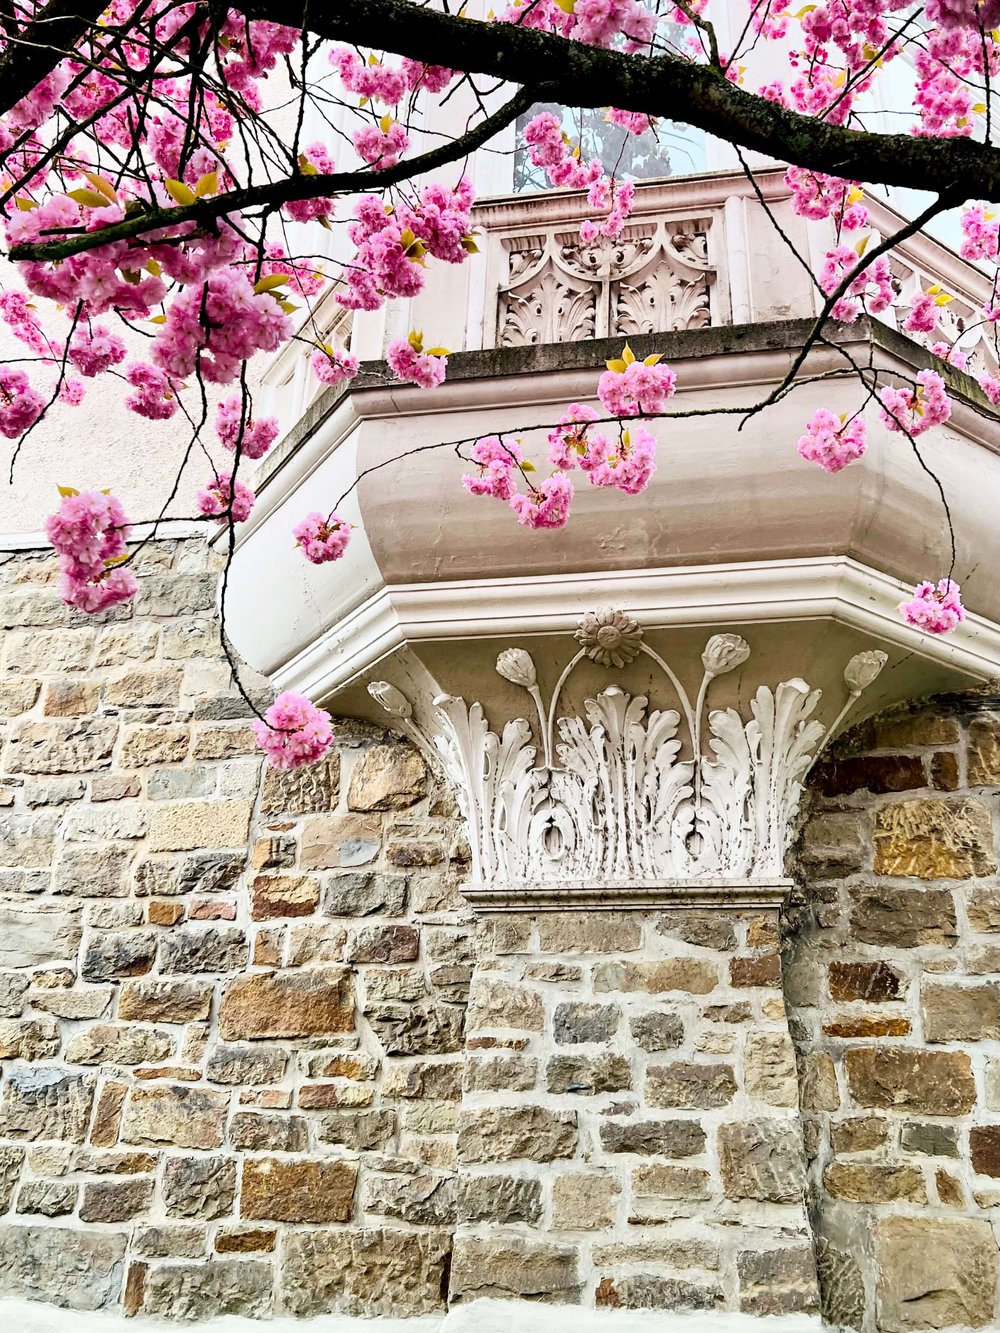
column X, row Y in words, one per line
column 613, row 799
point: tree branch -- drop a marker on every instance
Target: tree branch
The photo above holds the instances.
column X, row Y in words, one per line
column 276, row 193
column 39, row 47
column 663, row 86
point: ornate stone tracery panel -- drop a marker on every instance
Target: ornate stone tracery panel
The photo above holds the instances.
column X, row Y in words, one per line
column 657, row 277
column 603, row 797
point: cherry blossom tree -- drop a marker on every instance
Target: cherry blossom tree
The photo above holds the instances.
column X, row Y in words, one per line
column 160, row 194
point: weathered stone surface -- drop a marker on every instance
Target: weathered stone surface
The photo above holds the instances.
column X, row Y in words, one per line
column 93, row 872
column 261, row 1132
column 818, row 1090
column 492, row 1198
column 370, row 1272
column 499, row 1004
column 982, row 755
column 63, row 745
column 199, row 1186
column 315, row 1003
column 769, row 1068
column 874, row 773
column 115, row 1200
column 29, row 1038
column 116, row 1043
column 874, row 982
column 359, row 1130
column 869, row 1025
column 423, row 1029
column 145, row 745
column 933, row 839
column 246, row 1065
column 384, row 944
column 904, row 918
column 117, row 954
column 762, row 1159
column 584, row 1075
column 258, row 1240
column 654, row 1138
column 78, row 1270
column 387, row 777
column 173, row 1114
column 709, row 930
column 832, row 843
column 984, row 1149
column 692, row 975
column 423, row 1198
column 49, row 1198
column 575, row 1023
column 983, row 909
column 156, row 1000
column 588, row 932
column 649, row 1291
column 11, row 1161
column 364, row 895
column 874, row 1182
column 692, row 1086
column 317, row 1191
column 180, row 1241
column 928, row 1082
column 510, row 1268
column 45, row 1102
column 282, row 895
column 760, row 970
column 929, row 1140
column 302, row 791
column 934, row 1272
column 13, row 993
column 330, row 842
column 507, row 1133
column 658, row 1181
column 777, row 1282
column 189, row 825
column 203, row 949
column 960, row 1013
column 207, row 1291
column 38, row 933
column 657, row 1031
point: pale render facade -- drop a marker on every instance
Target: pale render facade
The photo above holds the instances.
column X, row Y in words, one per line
column 634, row 959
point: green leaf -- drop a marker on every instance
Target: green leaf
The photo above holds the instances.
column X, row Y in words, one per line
column 628, row 356
column 25, row 205
column 88, row 198
column 526, row 466
column 653, row 360
column 618, row 366
column 102, row 185
column 67, row 490
column 179, row 192
column 269, row 283
column 438, row 351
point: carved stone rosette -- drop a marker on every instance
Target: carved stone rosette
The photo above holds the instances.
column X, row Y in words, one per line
column 600, row 808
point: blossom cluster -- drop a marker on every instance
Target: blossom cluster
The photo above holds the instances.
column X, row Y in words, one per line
column 294, row 732
column 89, row 532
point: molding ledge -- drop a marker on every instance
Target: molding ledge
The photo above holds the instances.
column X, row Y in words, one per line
column 628, row 896
column 754, row 592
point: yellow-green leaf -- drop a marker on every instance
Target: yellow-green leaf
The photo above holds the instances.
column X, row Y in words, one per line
column 469, row 245
column 102, row 185
column 653, row 360
column 385, row 124
column 179, row 192
column 861, row 246
column 286, row 306
column 416, row 340
column 943, row 299
column 25, row 205
column 153, row 267
column 855, row 194
column 157, row 319
column 628, row 356
column 567, row 6
column 207, row 185
column 67, row 490
column 88, row 198
column 438, row 351
column 528, row 467
column 269, row 283
column 618, row 366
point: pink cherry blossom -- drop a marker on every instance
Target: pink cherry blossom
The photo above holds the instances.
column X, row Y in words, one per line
column 93, row 350
column 98, row 593
column 154, row 396
column 214, row 500
column 936, row 610
column 381, row 148
column 568, row 439
column 20, row 404
column 830, row 442
column 408, row 361
column 923, row 314
column 904, row 410
column 322, row 539
column 638, row 389
column 498, row 462
column 258, row 436
column 545, row 506
column 294, row 731
column 627, row 463
column 331, row 365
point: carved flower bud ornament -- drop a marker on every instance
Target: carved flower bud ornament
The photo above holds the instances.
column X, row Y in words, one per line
column 609, row 638
column 392, row 700
column 862, row 669
column 723, row 653
column 515, row 665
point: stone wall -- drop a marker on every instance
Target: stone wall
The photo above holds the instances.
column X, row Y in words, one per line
column 893, row 984
column 258, row 1057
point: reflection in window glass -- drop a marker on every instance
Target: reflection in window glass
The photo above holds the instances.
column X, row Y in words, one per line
column 668, row 149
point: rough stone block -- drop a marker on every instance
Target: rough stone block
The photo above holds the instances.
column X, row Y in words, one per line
column 191, row 825
column 498, row 1199
column 873, row 982
column 77, row 1270
column 875, row 1182
column 273, row 896
column 510, row 1268
column 202, row 1187
column 576, row 1023
column 584, row 1075
column 588, row 932
column 653, row 1138
column 934, row 839
column 509, row 1133
column 901, row 917
column 387, row 777
column 173, row 1114
column 902, row 1078
column 691, row 1086
column 302, row 791
column 694, row 976
column 210, row 1290
column 115, row 1200
column 158, row 1000
column 204, row 949
column 34, row 934
column 960, row 1013
column 365, row 1273
column 762, row 1159
column 315, row 1003
column 769, row 1072
column 46, row 1102
column 364, row 894
column 934, row 1272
